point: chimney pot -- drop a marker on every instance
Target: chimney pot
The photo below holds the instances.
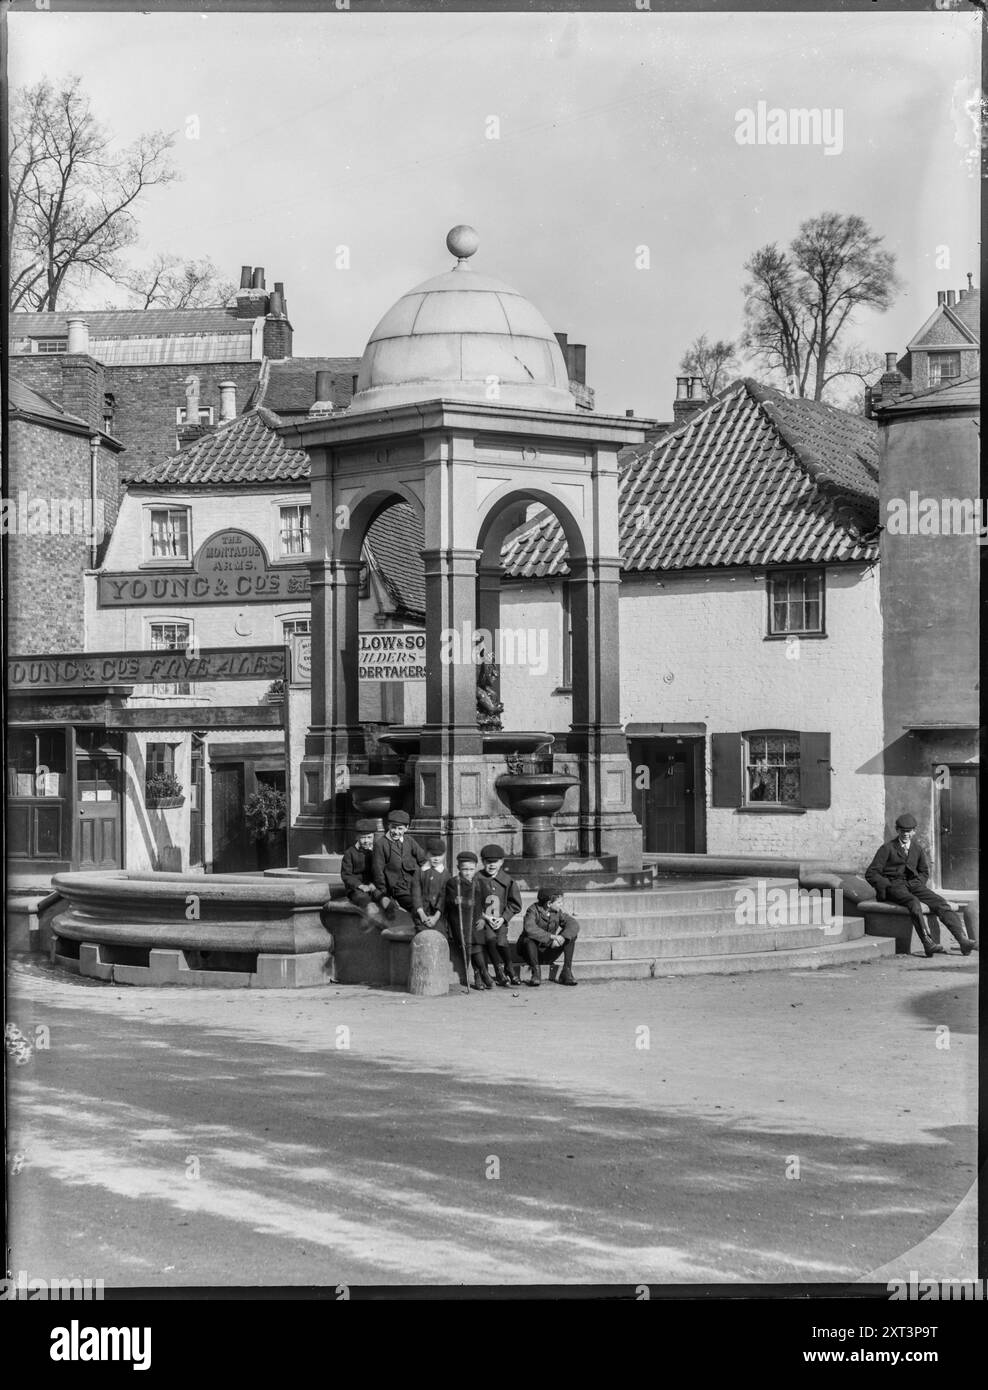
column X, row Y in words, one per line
column 257, row 279
column 562, row 339
column 280, row 287
column 950, row 299
column 682, row 391
column 78, row 336
column 276, row 304
column 630, row 414
column 580, row 363
column 324, row 388
column 890, row 361
column 245, row 274
column 941, row 298
column 228, row 400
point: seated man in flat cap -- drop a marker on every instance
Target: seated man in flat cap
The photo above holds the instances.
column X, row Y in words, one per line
column 899, row 873
column 396, row 864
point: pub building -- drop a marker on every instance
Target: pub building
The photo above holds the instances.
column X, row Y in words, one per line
column 143, row 751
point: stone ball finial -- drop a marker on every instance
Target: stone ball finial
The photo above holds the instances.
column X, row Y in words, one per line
column 462, row 241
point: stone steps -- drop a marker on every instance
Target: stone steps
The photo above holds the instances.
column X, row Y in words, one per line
column 717, row 893
column 737, row 941
column 863, row 950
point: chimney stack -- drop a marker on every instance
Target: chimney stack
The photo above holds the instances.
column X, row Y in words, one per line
column 251, row 300
column 277, row 329
column 83, row 378
column 245, row 273
column 690, row 398
column 228, row 400
column 257, row 279
column 887, row 388
column 941, row 298
column 579, row 367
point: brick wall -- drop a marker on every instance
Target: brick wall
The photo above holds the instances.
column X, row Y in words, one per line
column 146, row 398
column 45, row 608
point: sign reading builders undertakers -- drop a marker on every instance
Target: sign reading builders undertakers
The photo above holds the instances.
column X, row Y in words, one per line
column 391, row 656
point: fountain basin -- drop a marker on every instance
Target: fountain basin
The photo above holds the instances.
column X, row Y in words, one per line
column 535, row 797
column 407, row 741
column 136, row 927
column 377, row 794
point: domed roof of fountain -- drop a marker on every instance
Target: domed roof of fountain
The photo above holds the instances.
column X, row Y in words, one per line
column 450, row 336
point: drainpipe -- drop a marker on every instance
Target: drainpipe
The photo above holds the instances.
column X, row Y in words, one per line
column 93, row 534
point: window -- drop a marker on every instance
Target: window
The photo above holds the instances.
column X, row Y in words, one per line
column 944, row 366
column 205, row 415
column 567, row 601
column 170, row 538
column 50, row 345
column 171, row 637
column 776, row 771
column 295, row 530
column 795, row 603
column 772, row 769
column 293, row 627
column 36, row 762
column 159, row 760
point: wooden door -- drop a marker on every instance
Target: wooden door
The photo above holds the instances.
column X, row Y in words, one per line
column 97, row 799
column 663, row 795
column 958, row 825
column 232, row 851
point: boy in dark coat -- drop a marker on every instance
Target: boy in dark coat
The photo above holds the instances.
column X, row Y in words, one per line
column 433, row 879
column 495, row 881
column 464, row 906
column 356, row 870
column 899, row 873
column 397, row 860
column 548, row 933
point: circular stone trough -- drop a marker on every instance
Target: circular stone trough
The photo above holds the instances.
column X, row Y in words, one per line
column 147, row 928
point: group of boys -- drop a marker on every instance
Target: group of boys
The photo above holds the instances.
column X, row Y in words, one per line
column 472, row 909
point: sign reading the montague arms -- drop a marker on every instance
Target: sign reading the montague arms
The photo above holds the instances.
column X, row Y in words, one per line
column 80, row 670
column 230, row 567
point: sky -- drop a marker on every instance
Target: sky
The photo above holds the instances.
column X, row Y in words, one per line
column 614, row 133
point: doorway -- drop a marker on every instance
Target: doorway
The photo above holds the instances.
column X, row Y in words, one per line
column 667, row 793
column 957, row 827
column 237, row 771
column 98, row 783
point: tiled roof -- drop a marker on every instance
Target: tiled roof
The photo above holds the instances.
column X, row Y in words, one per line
column 21, row 397
column 968, row 310
column 395, row 542
column 966, row 392
column 291, row 385
column 122, row 323
column 756, row 478
column 247, row 449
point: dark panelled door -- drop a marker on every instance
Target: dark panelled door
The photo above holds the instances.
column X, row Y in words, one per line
column 662, row 796
column 231, row 849
column 959, row 829
column 97, row 794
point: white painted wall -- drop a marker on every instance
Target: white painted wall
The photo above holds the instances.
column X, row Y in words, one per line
column 693, row 650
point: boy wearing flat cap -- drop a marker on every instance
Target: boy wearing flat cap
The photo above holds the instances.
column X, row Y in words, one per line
column 548, row 933
column 396, row 863
column 464, row 906
column 357, row 871
column 899, row 873
column 433, row 878
column 495, row 881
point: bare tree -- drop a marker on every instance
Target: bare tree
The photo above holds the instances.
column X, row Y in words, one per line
column 171, row 283
column 72, row 194
column 799, row 302
column 711, row 362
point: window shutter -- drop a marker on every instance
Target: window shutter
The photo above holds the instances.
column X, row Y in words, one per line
column 814, row 771
column 726, row 766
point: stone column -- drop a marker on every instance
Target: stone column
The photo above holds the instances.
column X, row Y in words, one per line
column 334, row 738
column 607, row 823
